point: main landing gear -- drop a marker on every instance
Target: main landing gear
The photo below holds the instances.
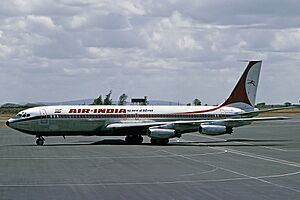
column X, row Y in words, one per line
column 159, row 141
column 40, row 140
column 138, row 139
column 134, row 139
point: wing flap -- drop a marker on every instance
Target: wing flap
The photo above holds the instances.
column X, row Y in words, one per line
column 245, row 121
column 233, row 122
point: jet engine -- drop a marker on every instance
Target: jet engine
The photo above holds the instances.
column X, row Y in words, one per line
column 160, row 133
column 209, row 129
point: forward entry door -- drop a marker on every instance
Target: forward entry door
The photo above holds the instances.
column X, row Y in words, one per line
column 44, row 119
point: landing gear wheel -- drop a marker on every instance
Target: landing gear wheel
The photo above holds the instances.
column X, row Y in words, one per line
column 164, row 141
column 159, row 141
column 40, row 141
column 128, row 139
column 140, row 139
column 134, row 139
column 153, row 141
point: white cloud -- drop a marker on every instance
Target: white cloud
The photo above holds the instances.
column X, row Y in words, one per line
column 131, row 7
column 5, row 51
column 77, row 21
column 186, row 42
column 74, row 72
column 170, row 49
column 42, row 22
column 287, row 40
column 21, row 6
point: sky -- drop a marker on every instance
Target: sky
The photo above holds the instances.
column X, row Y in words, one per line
column 58, row 50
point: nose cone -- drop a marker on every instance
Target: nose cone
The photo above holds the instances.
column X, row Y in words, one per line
column 7, row 123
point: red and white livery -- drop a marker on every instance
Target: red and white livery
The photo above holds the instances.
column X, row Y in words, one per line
column 160, row 123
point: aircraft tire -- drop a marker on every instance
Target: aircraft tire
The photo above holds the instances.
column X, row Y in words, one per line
column 159, row 141
column 140, row 139
column 153, row 141
column 134, row 139
column 40, row 142
column 164, row 141
column 128, row 139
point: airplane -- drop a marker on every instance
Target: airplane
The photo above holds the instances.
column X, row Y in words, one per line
column 160, row 123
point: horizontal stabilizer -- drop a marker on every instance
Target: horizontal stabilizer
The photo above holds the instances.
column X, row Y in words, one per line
column 256, row 112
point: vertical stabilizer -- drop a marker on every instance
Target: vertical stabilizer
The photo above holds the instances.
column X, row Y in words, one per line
column 244, row 94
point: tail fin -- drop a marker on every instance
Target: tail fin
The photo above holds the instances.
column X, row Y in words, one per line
column 244, row 94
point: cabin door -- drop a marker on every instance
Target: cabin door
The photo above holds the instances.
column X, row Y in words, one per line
column 44, row 119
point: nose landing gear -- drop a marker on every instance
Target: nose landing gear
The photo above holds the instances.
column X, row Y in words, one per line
column 40, row 141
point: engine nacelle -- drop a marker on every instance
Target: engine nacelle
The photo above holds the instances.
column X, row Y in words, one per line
column 160, row 133
column 209, row 129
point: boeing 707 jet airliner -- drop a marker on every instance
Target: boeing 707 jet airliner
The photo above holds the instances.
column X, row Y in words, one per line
column 160, row 123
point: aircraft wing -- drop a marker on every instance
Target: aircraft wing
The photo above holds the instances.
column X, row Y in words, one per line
column 232, row 122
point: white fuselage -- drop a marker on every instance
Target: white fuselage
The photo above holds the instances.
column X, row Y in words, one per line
column 160, row 123
column 92, row 120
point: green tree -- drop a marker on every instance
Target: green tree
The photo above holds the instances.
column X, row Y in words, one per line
column 98, row 101
column 122, row 99
column 197, row 102
column 261, row 105
column 108, row 100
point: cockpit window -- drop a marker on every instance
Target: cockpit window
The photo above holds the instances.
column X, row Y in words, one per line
column 22, row 115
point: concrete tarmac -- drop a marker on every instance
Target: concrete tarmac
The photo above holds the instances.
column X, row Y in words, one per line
column 261, row 161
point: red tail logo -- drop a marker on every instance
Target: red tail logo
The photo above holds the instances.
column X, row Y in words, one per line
column 239, row 93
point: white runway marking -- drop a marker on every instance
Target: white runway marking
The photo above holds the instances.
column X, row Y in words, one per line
column 241, row 174
column 266, row 158
column 185, row 156
column 218, row 139
column 199, row 173
column 108, row 157
column 174, row 180
column 159, row 182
